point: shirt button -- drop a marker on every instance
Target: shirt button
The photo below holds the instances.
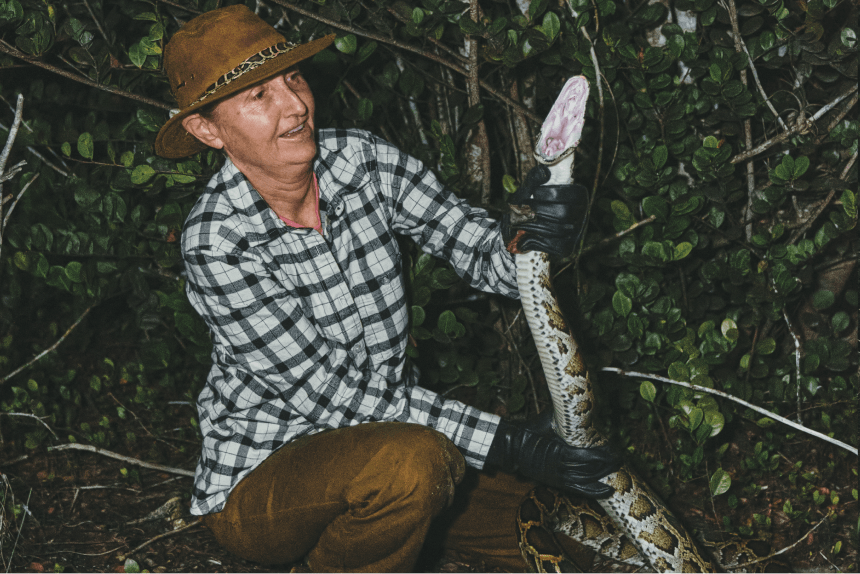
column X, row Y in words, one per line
column 338, row 210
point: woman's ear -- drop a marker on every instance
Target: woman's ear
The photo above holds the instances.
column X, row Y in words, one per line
column 203, row 129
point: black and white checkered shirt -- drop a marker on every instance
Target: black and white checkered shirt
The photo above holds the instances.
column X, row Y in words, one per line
column 310, row 330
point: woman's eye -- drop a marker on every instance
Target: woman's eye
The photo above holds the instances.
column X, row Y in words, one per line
column 259, row 95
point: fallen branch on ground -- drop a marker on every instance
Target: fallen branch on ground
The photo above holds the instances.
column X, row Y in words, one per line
column 117, row 456
column 159, row 537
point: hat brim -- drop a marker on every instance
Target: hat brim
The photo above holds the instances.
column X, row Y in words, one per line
column 174, row 142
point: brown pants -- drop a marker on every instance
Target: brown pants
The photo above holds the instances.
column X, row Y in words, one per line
column 364, row 499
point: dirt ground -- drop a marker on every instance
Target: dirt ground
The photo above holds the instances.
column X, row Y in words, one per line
column 83, row 514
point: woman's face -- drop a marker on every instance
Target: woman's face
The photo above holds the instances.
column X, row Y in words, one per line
column 268, row 126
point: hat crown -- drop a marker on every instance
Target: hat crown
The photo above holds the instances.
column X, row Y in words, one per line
column 211, row 45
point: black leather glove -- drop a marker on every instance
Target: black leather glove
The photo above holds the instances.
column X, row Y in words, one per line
column 551, row 217
column 537, row 452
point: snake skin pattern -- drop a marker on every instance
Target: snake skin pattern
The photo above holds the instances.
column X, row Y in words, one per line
column 657, row 535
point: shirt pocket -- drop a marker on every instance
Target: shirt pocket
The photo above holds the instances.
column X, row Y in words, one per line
column 383, row 310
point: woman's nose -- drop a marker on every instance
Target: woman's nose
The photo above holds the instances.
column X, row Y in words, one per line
column 290, row 99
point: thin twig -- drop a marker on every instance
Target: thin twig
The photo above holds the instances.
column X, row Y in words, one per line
column 13, row 133
column 474, row 84
column 117, row 456
column 12, row 207
column 523, row 366
column 786, row 549
column 97, row 23
column 719, row 393
column 797, row 351
column 10, row 51
column 28, row 415
column 733, row 17
column 17, row 538
column 851, row 103
column 159, row 537
column 801, row 127
column 739, row 43
column 607, row 240
column 49, row 349
column 13, row 171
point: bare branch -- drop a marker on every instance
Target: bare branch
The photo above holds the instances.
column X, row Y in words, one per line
column 765, row 412
column 10, row 51
column 802, row 127
column 12, row 208
column 13, row 133
column 117, row 456
column 786, row 549
column 33, row 417
column 160, row 536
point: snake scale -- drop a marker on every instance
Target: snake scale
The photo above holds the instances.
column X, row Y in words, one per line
column 654, row 532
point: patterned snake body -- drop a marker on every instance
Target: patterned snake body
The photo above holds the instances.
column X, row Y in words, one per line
column 654, row 531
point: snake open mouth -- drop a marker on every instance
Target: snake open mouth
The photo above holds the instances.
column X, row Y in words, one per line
column 562, row 128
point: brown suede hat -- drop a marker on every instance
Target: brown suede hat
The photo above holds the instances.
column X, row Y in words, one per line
column 216, row 55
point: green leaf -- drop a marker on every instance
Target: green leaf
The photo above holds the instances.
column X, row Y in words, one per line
column 720, row 482
column 716, row 421
column 346, row 44
column 682, row 250
column 823, row 299
column 849, row 203
column 679, row 372
column 622, row 304
column 840, row 321
column 366, row 51
column 130, row 566
column 551, row 25
column 365, row 109
column 85, row 145
column 66, row 148
column 509, row 183
column 801, row 164
column 73, row 271
column 659, row 156
column 766, row 346
column 447, row 322
column 711, row 142
column 418, row 315
column 417, row 15
column 142, row 174
column 729, row 329
column 648, row 391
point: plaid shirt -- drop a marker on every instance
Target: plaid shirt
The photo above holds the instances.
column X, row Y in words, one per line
column 310, row 330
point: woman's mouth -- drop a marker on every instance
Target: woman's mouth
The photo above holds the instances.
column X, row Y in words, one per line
column 294, row 131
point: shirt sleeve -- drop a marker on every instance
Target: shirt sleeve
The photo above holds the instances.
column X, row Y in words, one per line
column 444, row 225
column 276, row 368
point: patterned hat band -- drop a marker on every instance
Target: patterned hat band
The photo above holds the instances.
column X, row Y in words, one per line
column 251, row 63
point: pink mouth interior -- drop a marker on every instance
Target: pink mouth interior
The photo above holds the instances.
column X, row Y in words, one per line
column 562, row 128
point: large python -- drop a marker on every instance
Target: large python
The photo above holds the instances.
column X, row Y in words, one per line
column 650, row 527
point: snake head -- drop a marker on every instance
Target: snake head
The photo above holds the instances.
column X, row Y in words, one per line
column 562, row 129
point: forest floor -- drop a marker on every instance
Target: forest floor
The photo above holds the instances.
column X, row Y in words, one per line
column 83, row 511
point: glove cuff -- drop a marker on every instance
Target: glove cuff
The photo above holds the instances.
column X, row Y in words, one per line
column 503, row 448
column 575, row 195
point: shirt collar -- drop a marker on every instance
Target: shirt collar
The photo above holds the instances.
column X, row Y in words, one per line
column 341, row 166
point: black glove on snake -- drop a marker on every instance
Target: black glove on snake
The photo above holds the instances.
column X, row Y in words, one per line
column 537, row 452
column 558, row 215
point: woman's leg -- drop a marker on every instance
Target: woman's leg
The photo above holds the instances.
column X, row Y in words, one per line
column 481, row 523
column 354, row 499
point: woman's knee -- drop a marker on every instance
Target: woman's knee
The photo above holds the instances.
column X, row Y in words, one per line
column 418, row 463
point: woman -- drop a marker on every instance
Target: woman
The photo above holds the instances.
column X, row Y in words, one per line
column 317, row 443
